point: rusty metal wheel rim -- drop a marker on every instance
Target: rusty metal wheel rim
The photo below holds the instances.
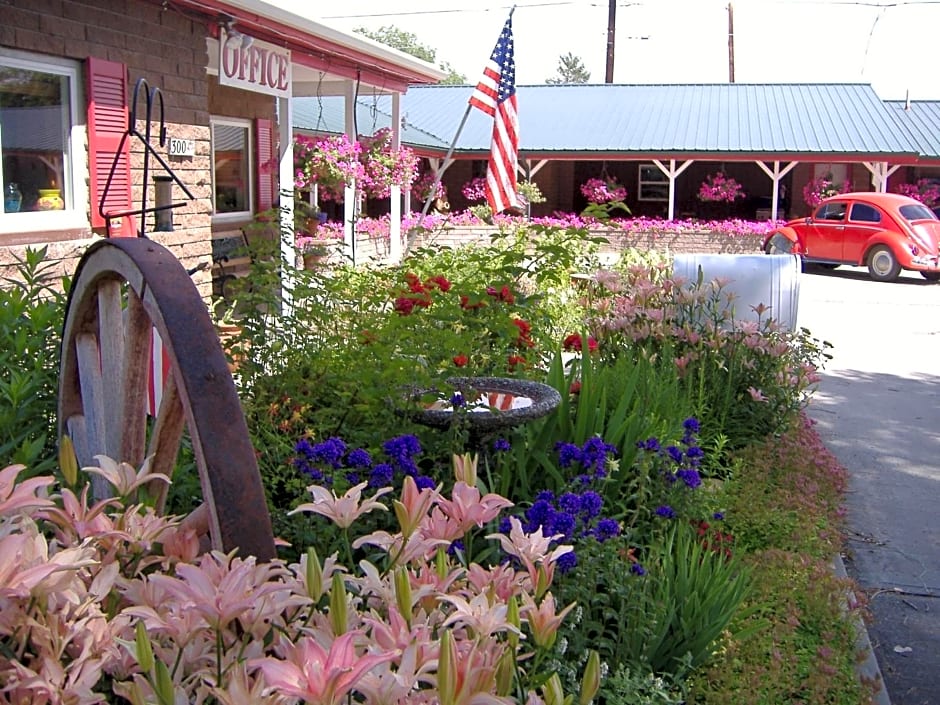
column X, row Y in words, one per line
column 129, row 285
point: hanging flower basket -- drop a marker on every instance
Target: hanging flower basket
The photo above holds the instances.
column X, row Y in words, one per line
column 601, row 191
column 925, row 191
column 718, row 188
column 329, row 163
column 421, row 188
column 474, row 190
column 384, row 167
column 823, row 187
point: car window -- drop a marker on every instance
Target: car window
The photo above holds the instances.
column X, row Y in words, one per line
column 831, row 211
column 917, row 211
column 865, row 213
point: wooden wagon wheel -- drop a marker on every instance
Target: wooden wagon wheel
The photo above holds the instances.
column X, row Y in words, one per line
column 124, row 288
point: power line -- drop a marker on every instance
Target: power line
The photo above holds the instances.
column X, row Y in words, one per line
column 451, row 11
column 621, row 3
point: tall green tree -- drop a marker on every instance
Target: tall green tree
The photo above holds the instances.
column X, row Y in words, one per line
column 570, row 70
column 407, row 42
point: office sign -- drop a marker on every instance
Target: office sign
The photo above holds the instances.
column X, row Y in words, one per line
column 253, row 65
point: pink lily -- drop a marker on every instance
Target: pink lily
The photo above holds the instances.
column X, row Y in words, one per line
column 533, row 550
column 17, row 496
column 342, row 510
column 479, row 614
column 123, row 477
column 530, row 548
column 468, row 508
column 542, row 618
column 413, row 506
column 318, row 676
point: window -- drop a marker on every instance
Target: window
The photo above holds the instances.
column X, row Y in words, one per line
column 40, row 143
column 653, row 184
column 865, row 213
column 831, row 211
column 231, row 168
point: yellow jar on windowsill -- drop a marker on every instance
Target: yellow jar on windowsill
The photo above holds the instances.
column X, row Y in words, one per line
column 50, row 199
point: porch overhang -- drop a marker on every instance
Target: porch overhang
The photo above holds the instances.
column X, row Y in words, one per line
column 323, row 58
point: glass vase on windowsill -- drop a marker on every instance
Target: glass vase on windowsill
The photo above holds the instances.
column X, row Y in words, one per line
column 12, row 198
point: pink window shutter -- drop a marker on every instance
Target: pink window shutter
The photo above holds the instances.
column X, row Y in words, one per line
column 266, row 161
column 107, row 125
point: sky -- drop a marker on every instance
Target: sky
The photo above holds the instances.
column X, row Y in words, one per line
column 891, row 45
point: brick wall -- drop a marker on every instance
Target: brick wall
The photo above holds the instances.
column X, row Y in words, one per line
column 165, row 48
column 689, row 242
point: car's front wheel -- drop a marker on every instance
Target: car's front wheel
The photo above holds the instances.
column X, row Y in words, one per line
column 931, row 276
column 883, row 266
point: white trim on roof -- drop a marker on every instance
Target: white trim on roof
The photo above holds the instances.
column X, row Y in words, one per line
column 353, row 42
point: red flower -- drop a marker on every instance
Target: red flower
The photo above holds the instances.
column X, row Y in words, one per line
column 573, row 342
column 440, row 281
column 523, row 341
column 414, row 283
column 404, row 305
column 515, row 361
column 465, row 303
column 504, row 294
column 460, row 360
column 575, row 387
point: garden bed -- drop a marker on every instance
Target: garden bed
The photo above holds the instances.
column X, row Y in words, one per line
column 663, row 536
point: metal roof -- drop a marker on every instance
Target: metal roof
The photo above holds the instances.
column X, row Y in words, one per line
column 921, row 119
column 691, row 120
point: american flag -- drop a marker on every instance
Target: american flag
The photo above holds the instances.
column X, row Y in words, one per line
column 495, row 95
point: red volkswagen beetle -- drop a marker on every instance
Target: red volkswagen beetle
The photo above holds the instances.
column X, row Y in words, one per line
column 885, row 232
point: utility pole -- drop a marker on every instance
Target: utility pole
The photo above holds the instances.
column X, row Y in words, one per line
column 730, row 43
column 611, row 27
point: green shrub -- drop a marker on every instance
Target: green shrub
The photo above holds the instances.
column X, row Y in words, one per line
column 626, row 686
column 31, row 316
column 665, row 615
column 795, row 643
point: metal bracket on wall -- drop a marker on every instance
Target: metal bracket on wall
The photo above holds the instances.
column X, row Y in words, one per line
column 150, row 94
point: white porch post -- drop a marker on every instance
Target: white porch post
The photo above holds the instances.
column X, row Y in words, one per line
column 880, row 173
column 350, row 196
column 285, row 199
column 395, row 241
column 672, row 172
column 533, row 170
column 776, row 174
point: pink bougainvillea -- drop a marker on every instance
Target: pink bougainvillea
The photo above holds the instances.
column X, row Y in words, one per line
column 823, row 187
column 603, row 190
column 925, row 190
column 718, row 188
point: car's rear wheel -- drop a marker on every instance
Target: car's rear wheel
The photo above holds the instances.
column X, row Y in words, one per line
column 931, row 276
column 883, row 266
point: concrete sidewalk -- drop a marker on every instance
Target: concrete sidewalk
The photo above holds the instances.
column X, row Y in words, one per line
column 878, row 411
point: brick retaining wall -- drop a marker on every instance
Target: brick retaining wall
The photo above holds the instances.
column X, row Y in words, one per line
column 691, row 241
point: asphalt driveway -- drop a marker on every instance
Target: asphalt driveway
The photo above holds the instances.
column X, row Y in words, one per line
column 878, row 410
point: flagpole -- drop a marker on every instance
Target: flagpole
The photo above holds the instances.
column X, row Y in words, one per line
column 412, row 231
column 440, row 172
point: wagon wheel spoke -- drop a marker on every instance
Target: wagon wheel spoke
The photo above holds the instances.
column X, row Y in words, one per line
column 92, row 396
column 166, row 440
column 133, row 405
column 123, row 290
